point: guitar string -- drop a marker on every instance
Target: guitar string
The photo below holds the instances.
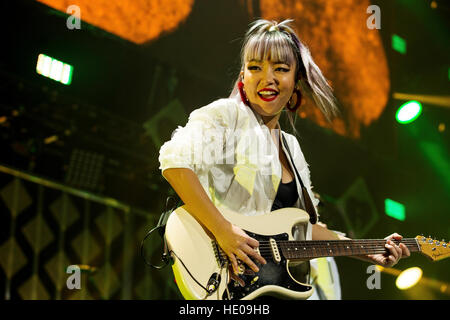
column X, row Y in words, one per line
column 326, row 253
column 374, row 246
column 345, row 244
column 328, row 244
column 345, row 247
column 367, row 242
column 325, row 249
column 335, row 250
column 338, row 245
column 334, row 242
column 345, row 251
column 319, row 252
column 340, row 241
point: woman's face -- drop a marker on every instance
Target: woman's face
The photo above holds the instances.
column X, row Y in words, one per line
column 268, row 85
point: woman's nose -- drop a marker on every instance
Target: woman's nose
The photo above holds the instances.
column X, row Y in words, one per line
column 270, row 76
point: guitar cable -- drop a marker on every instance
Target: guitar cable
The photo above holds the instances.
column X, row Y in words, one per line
column 227, row 279
column 208, row 292
column 167, row 254
column 193, row 278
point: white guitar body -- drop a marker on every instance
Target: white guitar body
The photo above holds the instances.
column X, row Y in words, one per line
column 196, row 257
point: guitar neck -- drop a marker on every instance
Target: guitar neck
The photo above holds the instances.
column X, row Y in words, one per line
column 300, row 250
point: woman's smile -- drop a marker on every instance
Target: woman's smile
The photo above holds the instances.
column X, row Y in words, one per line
column 267, row 94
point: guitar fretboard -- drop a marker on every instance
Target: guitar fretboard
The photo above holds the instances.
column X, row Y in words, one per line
column 323, row 248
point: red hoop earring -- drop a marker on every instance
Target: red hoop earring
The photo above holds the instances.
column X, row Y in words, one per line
column 297, row 103
column 242, row 93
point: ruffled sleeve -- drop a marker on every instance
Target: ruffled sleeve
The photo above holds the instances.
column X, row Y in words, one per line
column 200, row 142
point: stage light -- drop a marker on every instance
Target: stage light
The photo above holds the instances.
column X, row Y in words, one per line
column 54, row 69
column 394, row 209
column 408, row 112
column 51, row 139
column 398, row 44
column 408, row 278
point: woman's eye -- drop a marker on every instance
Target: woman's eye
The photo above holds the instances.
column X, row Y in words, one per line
column 253, row 68
column 283, row 69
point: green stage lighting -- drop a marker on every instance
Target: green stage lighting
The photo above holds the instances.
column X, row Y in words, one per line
column 394, row 209
column 398, row 44
column 54, row 69
column 408, row 112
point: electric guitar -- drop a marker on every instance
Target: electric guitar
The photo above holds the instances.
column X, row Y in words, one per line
column 201, row 268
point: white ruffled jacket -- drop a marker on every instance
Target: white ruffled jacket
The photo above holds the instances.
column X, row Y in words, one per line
column 232, row 153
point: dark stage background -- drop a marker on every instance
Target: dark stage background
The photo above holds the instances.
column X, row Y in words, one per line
column 79, row 178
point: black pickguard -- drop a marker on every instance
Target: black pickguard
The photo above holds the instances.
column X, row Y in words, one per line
column 272, row 273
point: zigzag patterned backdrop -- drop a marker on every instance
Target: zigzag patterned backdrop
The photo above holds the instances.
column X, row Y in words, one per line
column 44, row 230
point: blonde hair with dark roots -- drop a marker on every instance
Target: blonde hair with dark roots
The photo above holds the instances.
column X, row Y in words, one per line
column 279, row 42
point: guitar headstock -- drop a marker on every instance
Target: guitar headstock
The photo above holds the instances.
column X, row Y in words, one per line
column 433, row 249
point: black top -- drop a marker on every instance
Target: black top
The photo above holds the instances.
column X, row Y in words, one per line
column 287, row 195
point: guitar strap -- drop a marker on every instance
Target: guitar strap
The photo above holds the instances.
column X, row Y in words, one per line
column 309, row 207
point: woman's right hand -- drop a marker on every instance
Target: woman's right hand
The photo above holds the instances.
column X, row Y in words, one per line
column 233, row 240
column 238, row 245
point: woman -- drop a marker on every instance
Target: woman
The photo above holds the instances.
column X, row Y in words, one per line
column 231, row 153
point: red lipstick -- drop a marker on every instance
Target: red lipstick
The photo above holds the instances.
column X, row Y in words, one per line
column 268, row 94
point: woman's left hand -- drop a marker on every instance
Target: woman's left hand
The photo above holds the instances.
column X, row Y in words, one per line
column 394, row 254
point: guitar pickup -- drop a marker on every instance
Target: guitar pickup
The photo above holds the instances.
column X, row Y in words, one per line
column 275, row 252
